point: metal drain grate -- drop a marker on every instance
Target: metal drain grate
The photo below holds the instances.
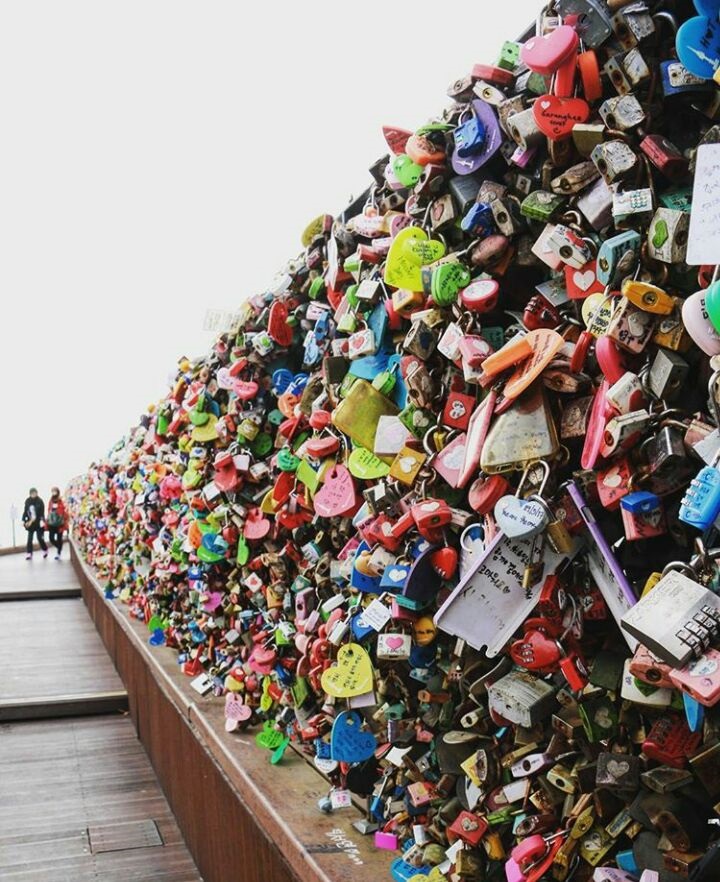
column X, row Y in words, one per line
column 122, row 837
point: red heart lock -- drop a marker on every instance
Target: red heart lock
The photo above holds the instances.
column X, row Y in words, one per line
column 323, row 446
column 278, row 328
column 545, row 54
column 283, row 487
column 484, row 492
column 535, row 651
column 555, row 117
column 396, row 138
column 444, row 561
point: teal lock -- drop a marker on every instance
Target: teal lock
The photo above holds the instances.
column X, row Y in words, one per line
column 712, row 304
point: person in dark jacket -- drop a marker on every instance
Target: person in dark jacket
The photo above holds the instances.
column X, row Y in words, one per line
column 33, row 521
column 56, row 520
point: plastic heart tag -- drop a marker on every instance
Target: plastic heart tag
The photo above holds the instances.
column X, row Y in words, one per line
column 545, row 345
column 555, row 117
column 545, row 54
column 269, row 738
column 406, row 171
column 348, row 743
column 337, row 496
column 535, row 651
column 363, row 464
column 352, row 675
column 698, row 45
column 410, row 250
column 520, row 518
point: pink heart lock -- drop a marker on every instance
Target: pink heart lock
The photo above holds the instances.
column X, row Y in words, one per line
column 337, row 496
column 257, row 526
column 545, row 54
column 394, row 643
column 697, row 324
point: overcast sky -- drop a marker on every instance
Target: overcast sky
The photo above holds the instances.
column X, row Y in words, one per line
column 162, row 158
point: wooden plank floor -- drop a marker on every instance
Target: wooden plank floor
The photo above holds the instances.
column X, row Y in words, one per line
column 59, row 777
column 79, row 800
column 51, row 648
column 20, row 577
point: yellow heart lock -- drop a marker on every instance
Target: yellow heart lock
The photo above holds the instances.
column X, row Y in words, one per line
column 352, row 675
column 410, row 251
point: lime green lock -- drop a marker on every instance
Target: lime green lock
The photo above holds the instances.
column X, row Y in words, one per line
column 198, row 416
column 385, row 381
column 712, row 304
column 317, row 286
column 351, row 296
column 287, row 461
column 163, row 422
column 447, row 281
column 406, row 171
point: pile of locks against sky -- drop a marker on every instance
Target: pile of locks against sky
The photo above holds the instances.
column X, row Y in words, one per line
column 439, row 511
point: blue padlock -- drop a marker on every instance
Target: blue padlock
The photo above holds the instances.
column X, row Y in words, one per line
column 640, row 502
column 701, row 503
column 281, row 379
column 478, row 220
column 617, row 257
column 626, row 861
column 676, row 79
column 694, row 712
column 401, row 870
column 469, row 137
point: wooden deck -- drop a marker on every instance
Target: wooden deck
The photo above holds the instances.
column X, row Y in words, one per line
column 37, row 578
column 79, row 799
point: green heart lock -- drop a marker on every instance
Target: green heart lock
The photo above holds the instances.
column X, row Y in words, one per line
column 447, row 280
column 269, row 738
column 406, row 171
column 287, row 461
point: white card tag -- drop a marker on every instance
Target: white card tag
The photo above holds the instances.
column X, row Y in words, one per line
column 704, row 235
column 340, row 799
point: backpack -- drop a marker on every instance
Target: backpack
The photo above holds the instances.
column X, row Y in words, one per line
column 55, row 520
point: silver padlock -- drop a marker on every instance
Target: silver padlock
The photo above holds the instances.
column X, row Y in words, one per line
column 631, row 328
column 615, row 160
column 631, row 203
column 575, row 179
column 667, row 374
column 507, row 217
column 596, row 204
column 668, row 235
column 523, row 129
column 594, row 24
column 635, row 67
column 616, row 74
column 569, row 247
column 622, row 113
column 632, row 25
column 508, row 108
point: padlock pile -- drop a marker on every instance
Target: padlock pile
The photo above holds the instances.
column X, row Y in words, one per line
column 440, row 510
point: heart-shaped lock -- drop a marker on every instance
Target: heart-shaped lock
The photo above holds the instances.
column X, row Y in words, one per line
column 337, row 496
column 485, row 492
column 364, row 465
column 278, row 327
column 269, row 738
column 520, row 518
column 406, row 171
column 411, row 249
column 698, row 42
column 555, row 116
column 444, row 561
column 535, row 651
column 257, row 526
column 447, row 280
column 351, row 675
column 698, row 325
column 544, row 54
column 396, row 138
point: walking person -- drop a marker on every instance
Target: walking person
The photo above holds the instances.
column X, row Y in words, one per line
column 56, row 520
column 33, row 518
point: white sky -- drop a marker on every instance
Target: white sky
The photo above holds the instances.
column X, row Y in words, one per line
column 158, row 158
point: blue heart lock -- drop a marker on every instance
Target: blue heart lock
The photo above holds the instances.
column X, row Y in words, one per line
column 157, row 638
column 348, row 743
column 698, row 40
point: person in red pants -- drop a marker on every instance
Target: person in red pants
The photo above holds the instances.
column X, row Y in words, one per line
column 56, row 520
